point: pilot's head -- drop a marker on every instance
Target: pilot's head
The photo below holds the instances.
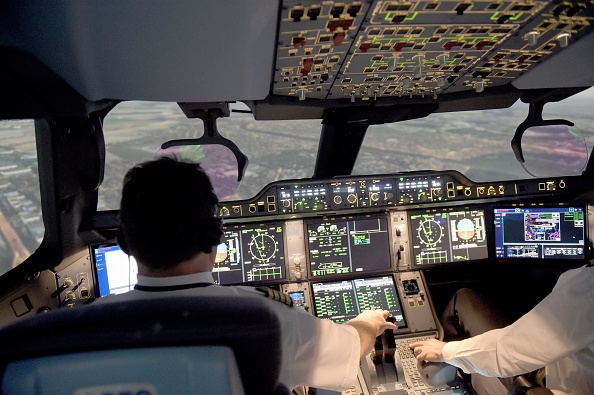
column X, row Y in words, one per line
column 167, row 213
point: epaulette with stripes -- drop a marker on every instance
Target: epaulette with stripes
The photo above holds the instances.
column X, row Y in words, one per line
column 276, row 295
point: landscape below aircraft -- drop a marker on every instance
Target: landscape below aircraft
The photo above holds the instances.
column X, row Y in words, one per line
column 367, row 154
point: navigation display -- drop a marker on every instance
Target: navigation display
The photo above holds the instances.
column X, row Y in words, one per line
column 341, row 301
column 348, row 245
column 250, row 253
column 448, row 236
column 540, row 232
column 114, row 270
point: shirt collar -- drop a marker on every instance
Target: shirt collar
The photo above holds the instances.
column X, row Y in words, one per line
column 203, row 277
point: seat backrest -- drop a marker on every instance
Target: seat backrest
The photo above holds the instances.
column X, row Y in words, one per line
column 246, row 326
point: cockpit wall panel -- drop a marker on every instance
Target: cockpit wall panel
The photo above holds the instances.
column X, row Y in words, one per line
column 38, row 295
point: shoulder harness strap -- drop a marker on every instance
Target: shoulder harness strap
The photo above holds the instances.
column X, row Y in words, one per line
column 276, row 295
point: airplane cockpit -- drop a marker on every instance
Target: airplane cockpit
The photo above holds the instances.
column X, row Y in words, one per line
column 366, row 154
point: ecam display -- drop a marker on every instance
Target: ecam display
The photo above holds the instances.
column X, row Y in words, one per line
column 341, row 245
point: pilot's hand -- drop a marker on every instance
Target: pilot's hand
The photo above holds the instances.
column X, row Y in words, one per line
column 428, row 350
column 370, row 324
column 377, row 318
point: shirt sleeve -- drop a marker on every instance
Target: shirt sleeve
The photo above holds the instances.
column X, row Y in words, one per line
column 558, row 326
column 320, row 354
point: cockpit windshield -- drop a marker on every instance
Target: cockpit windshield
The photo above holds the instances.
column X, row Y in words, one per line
column 21, row 224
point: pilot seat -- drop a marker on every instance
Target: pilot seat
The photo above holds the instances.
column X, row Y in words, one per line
column 170, row 345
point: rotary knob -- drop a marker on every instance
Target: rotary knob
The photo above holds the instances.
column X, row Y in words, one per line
column 337, row 199
column 352, row 198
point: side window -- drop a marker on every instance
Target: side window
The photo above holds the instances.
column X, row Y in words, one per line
column 577, row 109
column 21, row 224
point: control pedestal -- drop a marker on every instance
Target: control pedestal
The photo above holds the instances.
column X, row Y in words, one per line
column 391, row 369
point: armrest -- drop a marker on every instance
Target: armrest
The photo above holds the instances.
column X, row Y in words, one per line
column 437, row 374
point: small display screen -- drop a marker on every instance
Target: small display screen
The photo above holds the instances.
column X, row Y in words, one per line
column 540, row 232
column 448, row 236
column 250, row 253
column 114, row 270
column 341, row 301
column 348, row 245
column 298, row 298
column 411, row 287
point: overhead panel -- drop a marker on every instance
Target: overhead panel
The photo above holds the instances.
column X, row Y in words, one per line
column 314, row 40
column 367, row 50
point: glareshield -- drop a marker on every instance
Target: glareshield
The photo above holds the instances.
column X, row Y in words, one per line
column 554, row 150
column 218, row 162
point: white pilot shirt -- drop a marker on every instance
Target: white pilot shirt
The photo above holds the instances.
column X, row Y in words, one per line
column 316, row 352
column 558, row 334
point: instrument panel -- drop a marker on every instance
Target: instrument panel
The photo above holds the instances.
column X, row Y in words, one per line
column 294, row 234
column 337, row 249
column 355, row 245
column 303, row 232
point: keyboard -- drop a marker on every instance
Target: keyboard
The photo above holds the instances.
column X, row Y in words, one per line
column 409, row 362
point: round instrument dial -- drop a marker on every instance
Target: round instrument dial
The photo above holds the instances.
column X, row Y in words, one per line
column 263, row 247
column 430, row 232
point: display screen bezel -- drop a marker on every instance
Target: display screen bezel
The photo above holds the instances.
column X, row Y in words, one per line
column 352, row 282
column 281, row 242
column 101, row 288
column 388, row 248
column 487, row 236
column 497, row 242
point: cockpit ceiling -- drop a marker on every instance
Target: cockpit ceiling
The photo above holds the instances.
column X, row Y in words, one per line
column 183, row 50
column 369, row 50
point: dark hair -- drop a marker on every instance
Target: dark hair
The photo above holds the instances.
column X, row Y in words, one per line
column 167, row 213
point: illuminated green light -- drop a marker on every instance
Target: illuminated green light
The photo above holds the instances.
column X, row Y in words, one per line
column 470, row 37
column 517, row 16
column 388, row 17
column 412, row 17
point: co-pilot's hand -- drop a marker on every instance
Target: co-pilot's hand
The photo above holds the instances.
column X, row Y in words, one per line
column 429, row 350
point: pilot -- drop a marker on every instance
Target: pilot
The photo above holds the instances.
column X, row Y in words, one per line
column 167, row 223
column 556, row 335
